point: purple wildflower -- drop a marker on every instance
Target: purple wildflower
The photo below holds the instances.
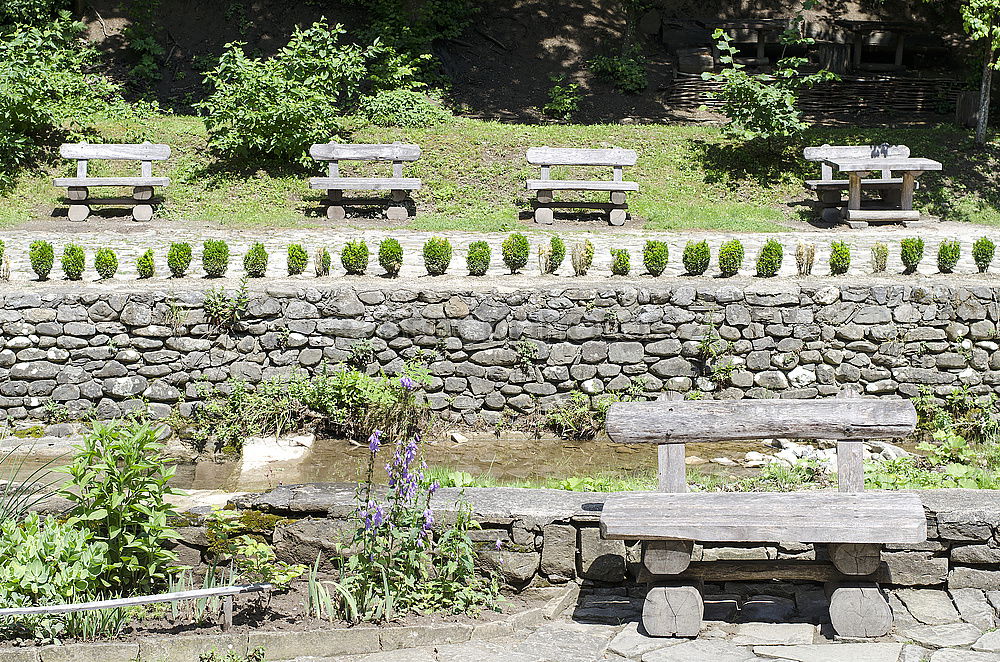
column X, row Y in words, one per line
column 428, row 522
column 406, row 382
column 498, row 544
column 435, row 486
column 375, row 441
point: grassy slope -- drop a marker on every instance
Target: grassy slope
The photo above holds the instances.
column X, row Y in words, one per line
column 473, row 174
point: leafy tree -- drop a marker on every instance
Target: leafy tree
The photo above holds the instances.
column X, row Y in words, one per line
column 982, row 24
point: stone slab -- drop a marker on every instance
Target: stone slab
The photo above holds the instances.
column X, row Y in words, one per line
column 784, row 634
column 943, row 636
column 701, row 650
column 874, row 652
column 929, row 607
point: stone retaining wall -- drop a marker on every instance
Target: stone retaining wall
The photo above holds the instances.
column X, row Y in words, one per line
column 497, row 349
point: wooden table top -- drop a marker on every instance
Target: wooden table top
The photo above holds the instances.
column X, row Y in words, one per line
column 855, row 163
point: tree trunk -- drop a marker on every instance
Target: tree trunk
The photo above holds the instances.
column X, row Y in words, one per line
column 984, row 97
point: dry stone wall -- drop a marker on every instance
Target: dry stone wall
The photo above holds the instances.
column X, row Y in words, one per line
column 491, row 350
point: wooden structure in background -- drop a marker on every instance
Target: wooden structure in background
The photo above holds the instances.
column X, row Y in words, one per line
column 546, row 157
column 399, row 187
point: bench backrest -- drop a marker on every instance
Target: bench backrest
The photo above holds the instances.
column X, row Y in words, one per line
column 572, row 156
column 853, row 151
column 145, row 152
column 673, row 424
column 397, row 153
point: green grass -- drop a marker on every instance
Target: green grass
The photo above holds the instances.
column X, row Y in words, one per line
column 473, row 176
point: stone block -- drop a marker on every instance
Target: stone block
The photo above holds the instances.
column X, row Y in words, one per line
column 558, row 552
column 906, row 568
column 601, row 560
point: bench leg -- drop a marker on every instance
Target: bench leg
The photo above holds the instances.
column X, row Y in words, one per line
column 335, row 211
column 544, row 215
column 830, row 198
column 544, row 196
column 397, row 195
column 397, row 213
column 142, row 193
column 79, row 212
column 617, row 217
column 673, row 610
column 855, row 558
column 667, row 557
column 833, row 214
column 142, row 212
column 77, row 193
column 860, row 610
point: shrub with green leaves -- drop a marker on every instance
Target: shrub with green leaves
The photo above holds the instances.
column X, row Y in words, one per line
column 626, row 71
column 564, row 99
column 983, row 251
column 731, row 258
column 354, row 257
column 255, row 261
column 551, row 256
column 437, row 255
column 477, row 259
column 106, row 263
column 179, row 258
column 402, row 108
column 145, row 266
column 582, row 257
column 840, row 258
column 654, row 256
column 696, row 258
column 298, row 258
column 73, row 262
column 30, row 12
column 41, row 255
column 215, row 258
column 880, row 257
column 515, row 250
column 621, row 262
column 323, row 261
column 911, row 252
column 390, row 256
column 948, row 253
column 769, row 259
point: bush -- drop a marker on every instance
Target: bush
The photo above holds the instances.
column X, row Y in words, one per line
column 30, row 12
column 437, row 255
column 880, row 256
column 402, row 108
column 769, row 259
column 477, row 259
column 731, row 257
column 255, row 261
column 215, row 258
column 654, row 257
column 106, row 263
column 696, row 257
column 515, row 250
column 805, row 257
column 582, row 257
column 982, row 253
column 948, row 253
column 297, row 259
column 621, row 262
column 626, row 71
column 118, row 487
column 354, row 257
column 179, row 258
column 322, row 262
column 42, row 255
column 145, row 266
column 551, row 256
column 390, row 256
column 564, row 99
column 911, row 253
column 73, row 262
column 840, row 258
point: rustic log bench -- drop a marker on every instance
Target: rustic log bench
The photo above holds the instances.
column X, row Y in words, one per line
column 830, row 191
column 546, row 157
column 335, row 185
column 852, row 523
column 78, row 188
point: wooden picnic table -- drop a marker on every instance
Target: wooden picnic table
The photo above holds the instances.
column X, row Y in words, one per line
column 859, row 167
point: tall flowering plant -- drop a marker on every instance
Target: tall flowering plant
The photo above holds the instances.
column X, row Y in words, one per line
column 402, row 560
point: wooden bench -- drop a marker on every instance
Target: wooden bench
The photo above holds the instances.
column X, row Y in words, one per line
column 78, row 188
column 224, row 592
column 335, row 185
column 852, row 523
column 829, row 190
column 546, row 157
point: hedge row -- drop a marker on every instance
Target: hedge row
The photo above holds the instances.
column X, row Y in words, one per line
column 515, row 253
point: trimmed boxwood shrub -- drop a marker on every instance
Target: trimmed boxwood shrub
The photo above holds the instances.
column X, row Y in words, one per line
column 911, row 252
column 354, row 257
column 769, row 259
column 73, row 262
column 390, row 256
column 696, row 257
column 42, row 255
column 840, row 258
column 477, row 259
column 1, row 251
column 179, row 258
column 297, row 259
column 731, row 258
column 145, row 266
column 949, row 251
column 621, row 262
column 582, row 257
column 557, row 255
column 880, row 257
column 654, row 257
column 106, row 263
column 515, row 249
column 437, row 255
column 255, row 261
column 323, row 262
column 982, row 253
column 215, row 258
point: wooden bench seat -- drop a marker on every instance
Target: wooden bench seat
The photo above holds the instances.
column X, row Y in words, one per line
column 399, row 187
column 812, row 517
column 546, row 157
column 843, row 184
column 143, row 186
